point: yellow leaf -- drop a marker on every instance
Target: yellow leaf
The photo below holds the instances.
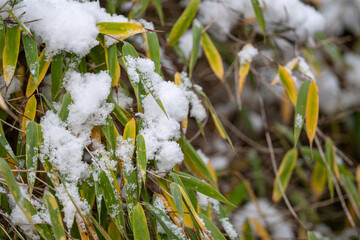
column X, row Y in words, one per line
column 121, row 30
column 96, row 134
column 213, row 56
column 29, row 113
column 243, row 72
column 318, row 179
column 290, row 65
column 130, row 131
column 289, row 84
column 264, row 235
column 11, row 53
column 44, row 66
column 286, row 110
column 312, row 111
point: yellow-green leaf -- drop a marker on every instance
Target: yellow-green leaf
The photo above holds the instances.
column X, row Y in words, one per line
column 30, row 112
column 259, row 15
column 213, row 56
column 183, row 22
column 31, row 54
column 141, row 157
column 289, row 84
column 300, row 109
column 318, row 179
column 11, row 53
column 196, row 34
column 55, row 216
column 141, row 230
column 113, row 65
column 175, row 191
column 120, row 29
column 113, row 232
column 285, row 171
column 312, row 111
column 44, row 62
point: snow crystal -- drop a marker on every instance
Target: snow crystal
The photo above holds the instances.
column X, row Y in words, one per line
column 247, row 53
column 63, row 149
column 298, row 121
column 272, row 218
column 66, row 24
column 89, row 92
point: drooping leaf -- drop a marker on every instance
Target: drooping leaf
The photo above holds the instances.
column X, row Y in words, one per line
column 285, row 171
column 55, row 216
column 312, row 111
column 11, row 53
column 213, row 56
column 121, row 30
column 288, row 83
column 183, row 22
column 300, row 110
column 141, row 230
column 176, row 193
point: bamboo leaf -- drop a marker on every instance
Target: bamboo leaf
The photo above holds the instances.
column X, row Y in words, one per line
column 300, row 110
column 141, row 157
column 183, row 22
column 120, row 113
column 288, row 83
column 122, row 30
column 330, row 158
column 29, row 113
column 33, row 140
column 196, row 34
column 215, row 232
column 312, row 111
column 318, row 179
column 33, row 84
column 159, row 10
column 200, row 186
column 55, row 216
column 213, row 56
column 113, row 64
column 11, row 53
column 56, row 74
column 260, row 229
column 215, row 118
column 285, row 171
column 154, row 49
column 31, row 54
column 2, row 39
column 259, row 15
column 113, row 232
column 64, row 111
column 5, row 144
column 243, row 72
column 176, row 193
column 112, row 203
column 141, row 230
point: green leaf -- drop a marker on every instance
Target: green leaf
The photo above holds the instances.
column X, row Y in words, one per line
column 141, row 230
column 285, row 171
column 300, row 110
column 48, row 103
column 56, row 75
column 55, row 216
column 196, row 33
column 141, row 157
column 215, row 117
column 200, row 186
column 2, row 38
column 120, row 113
column 109, row 132
column 183, row 22
column 222, row 217
column 11, row 53
column 164, row 221
column 120, row 29
column 113, row 65
column 5, row 144
column 259, row 15
column 176, row 193
column 31, row 54
column 215, row 232
column 154, row 49
column 330, row 158
column 112, row 203
column 33, row 141
column 64, row 111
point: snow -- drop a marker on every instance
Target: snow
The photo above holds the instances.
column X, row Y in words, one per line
column 121, row 98
column 247, row 53
column 158, row 129
column 66, row 24
column 298, row 121
column 273, row 218
column 302, row 20
column 124, row 151
column 89, row 92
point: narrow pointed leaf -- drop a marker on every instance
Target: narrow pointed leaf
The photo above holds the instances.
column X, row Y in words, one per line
column 29, row 113
column 11, row 53
column 5, row 144
column 154, row 49
column 113, row 65
column 312, row 111
column 196, row 34
column 33, row 140
column 288, row 83
column 141, row 230
column 55, row 216
column 141, row 157
column 2, row 39
column 56, row 74
column 259, row 15
column 176, row 193
column 300, row 110
column 285, row 171
column 159, row 10
column 31, row 54
column 243, row 72
column 215, row 232
column 183, row 22
column 213, row 56
column 64, row 110
column 121, row 30
column 318, row 179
